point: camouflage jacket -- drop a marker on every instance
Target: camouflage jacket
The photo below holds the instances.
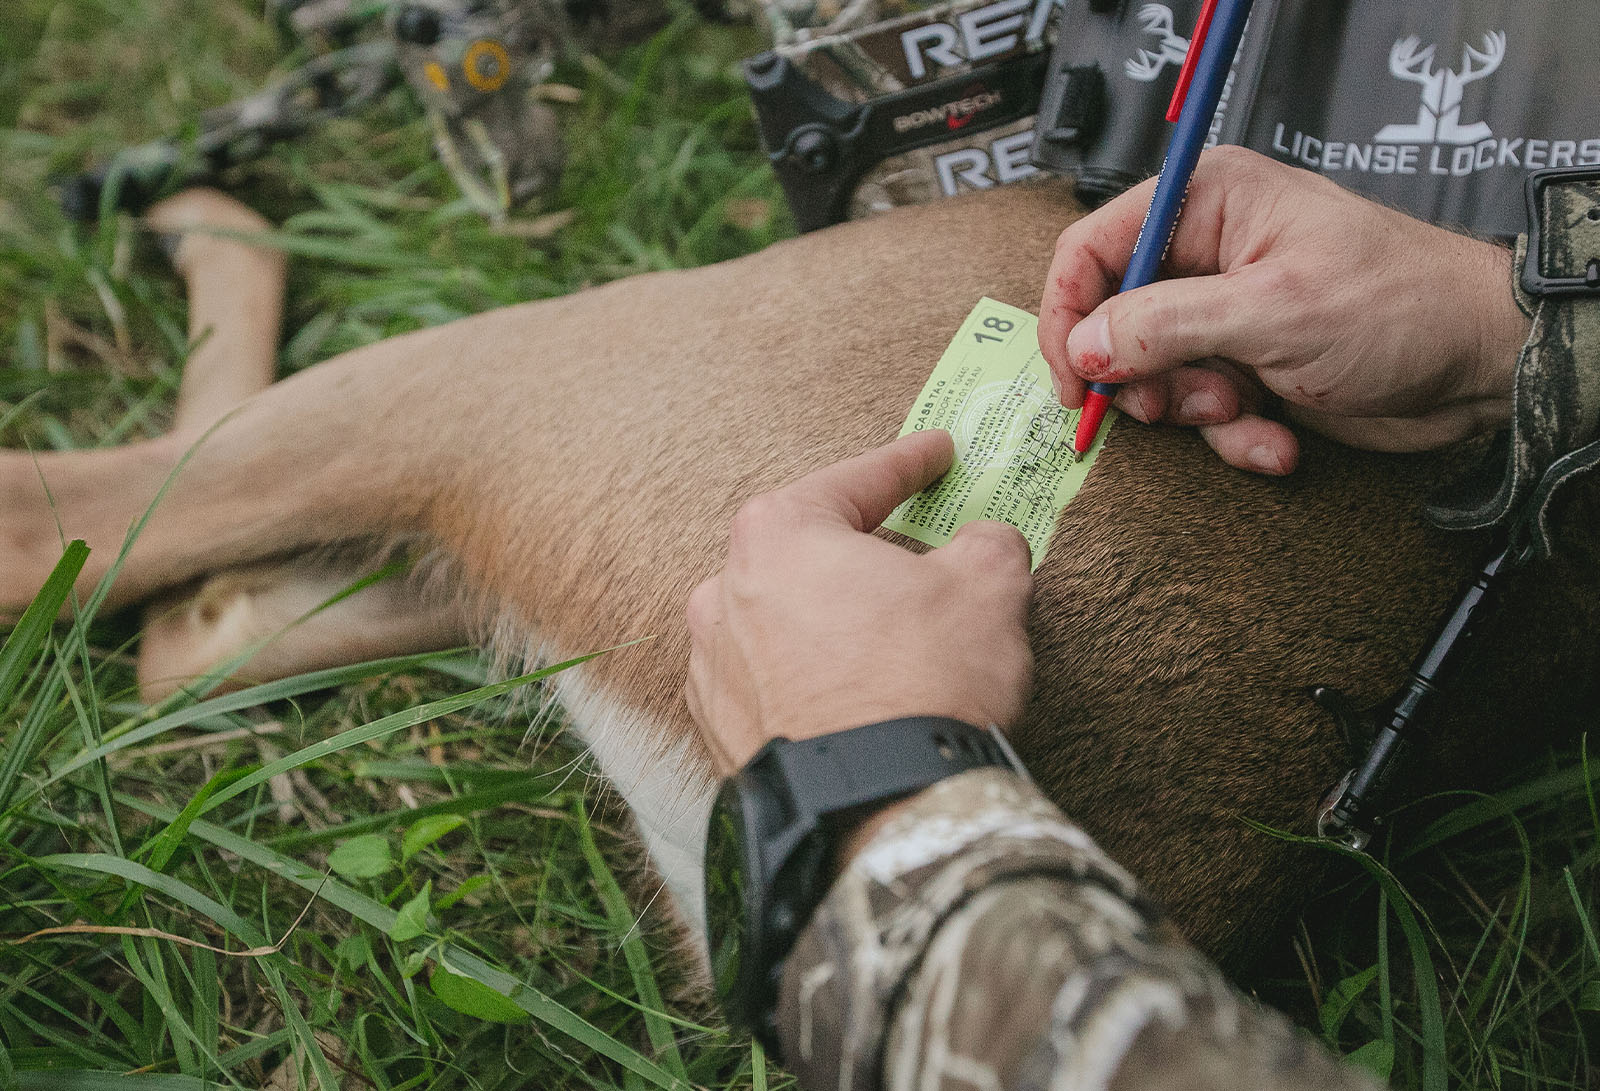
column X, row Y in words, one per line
column 981, row 940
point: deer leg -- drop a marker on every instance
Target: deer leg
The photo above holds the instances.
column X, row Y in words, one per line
column 235, row 293
column 269, row 617
column 235, row 307
column 330, row 455
column 303, row 464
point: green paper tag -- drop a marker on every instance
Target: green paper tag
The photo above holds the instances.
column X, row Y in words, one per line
column 991, row 391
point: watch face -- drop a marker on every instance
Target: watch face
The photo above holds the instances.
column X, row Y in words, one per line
column 727, row 882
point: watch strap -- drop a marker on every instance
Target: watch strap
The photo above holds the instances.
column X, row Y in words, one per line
column 791, row 795
column 876, row 763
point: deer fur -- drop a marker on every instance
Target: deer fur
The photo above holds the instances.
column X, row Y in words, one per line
column 576, row 462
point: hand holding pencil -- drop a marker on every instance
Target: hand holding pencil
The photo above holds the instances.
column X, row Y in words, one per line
column 1201, row 82
column 1371, row 327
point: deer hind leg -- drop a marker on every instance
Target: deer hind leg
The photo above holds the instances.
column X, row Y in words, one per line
column 235, row 307
column 266, row 620
column 270, row 620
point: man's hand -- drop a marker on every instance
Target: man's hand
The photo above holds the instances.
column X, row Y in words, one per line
column 1374, row 328
column 815, row 626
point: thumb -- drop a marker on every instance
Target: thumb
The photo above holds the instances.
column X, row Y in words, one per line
column 988, row 548
column 1152, row 330
column 994, row 559
column 861, row 491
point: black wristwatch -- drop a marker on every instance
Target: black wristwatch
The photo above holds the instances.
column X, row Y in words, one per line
column 774, row 830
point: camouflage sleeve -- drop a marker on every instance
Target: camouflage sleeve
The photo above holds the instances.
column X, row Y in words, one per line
column 1547, row 462
column 981, row 940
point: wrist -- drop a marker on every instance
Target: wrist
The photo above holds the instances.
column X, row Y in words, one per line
column 1502, row 328
column 859, row 832
column 780, row 826
column 844, row 705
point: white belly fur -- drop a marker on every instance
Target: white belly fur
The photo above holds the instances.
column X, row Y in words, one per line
column 667, row 783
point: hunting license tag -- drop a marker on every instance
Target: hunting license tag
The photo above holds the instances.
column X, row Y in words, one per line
column 991, row 392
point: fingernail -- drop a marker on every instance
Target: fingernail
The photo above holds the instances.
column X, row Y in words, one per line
column 1265, row 459
column 1089, row 345
column 1055, row 384
column 1201, row 407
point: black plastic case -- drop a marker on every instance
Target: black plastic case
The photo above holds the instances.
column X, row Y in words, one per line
column 1441, row 108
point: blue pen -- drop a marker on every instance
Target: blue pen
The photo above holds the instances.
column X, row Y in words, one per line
column 1211, row 52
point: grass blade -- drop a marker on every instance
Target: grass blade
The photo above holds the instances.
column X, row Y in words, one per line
column 128, row 735
column 25, row 645
column 33, row 629
column 129, row 871
column 84, row 1080
column 410, row 717
column 457, row 959
column 626, row 925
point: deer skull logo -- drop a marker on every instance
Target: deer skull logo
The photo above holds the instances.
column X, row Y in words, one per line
column 1439, row 118
column 1156, row 19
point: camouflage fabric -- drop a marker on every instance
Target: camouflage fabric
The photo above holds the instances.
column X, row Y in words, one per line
column 1555, row 429
column 981, row 940
column 795, row 21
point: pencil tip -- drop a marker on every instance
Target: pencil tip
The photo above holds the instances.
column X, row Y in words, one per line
column 1077, row 456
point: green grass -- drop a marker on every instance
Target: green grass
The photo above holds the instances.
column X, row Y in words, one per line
column 444, row 900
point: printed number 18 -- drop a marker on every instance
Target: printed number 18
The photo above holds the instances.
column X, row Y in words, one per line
column 1002, row 325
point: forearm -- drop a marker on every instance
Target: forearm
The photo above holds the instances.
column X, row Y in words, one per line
column 981, row 939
